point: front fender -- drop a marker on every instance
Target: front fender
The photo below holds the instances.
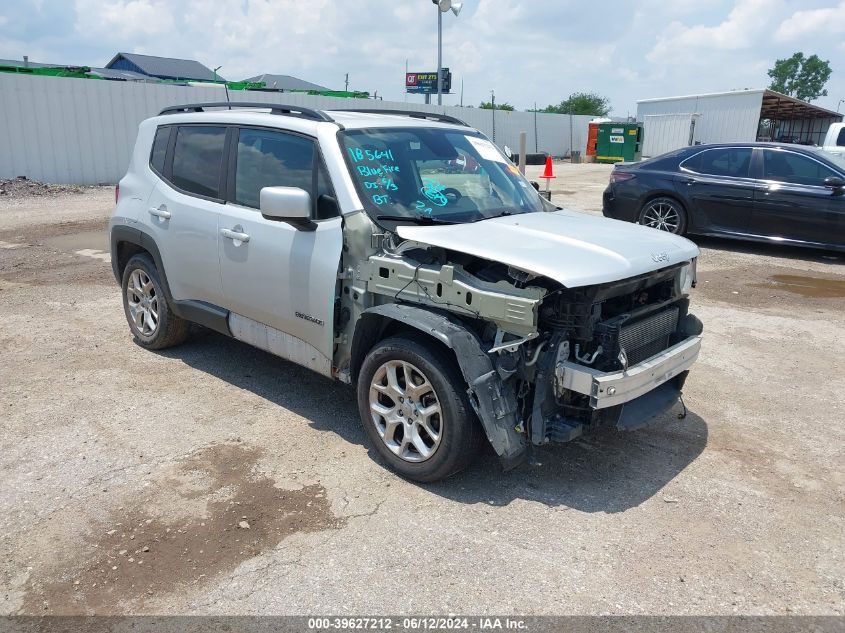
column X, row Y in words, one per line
column 493, row 400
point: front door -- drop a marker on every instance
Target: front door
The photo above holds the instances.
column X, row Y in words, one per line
column 792, row 201
column 274, row 273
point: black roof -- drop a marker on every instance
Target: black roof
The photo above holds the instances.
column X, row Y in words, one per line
column 167, row 67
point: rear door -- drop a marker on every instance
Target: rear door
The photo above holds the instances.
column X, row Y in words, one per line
column 792, row 201
column 182, row 212
column 719, row 189
column 280, row 275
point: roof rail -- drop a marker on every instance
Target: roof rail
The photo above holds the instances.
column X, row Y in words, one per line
column 414, row 114
column 275, row 108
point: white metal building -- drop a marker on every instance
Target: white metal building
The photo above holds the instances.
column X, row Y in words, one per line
column 729, row 117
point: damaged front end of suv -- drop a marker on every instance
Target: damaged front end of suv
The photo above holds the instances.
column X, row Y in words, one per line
column 560, row 322
column 543, row 362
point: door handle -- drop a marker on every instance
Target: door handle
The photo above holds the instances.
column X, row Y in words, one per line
column 234, row 235
column 689, row 181
column 161, row 212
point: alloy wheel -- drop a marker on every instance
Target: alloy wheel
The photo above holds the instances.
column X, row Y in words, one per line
column 142, row 301
column 663, row 216
column 406, row 411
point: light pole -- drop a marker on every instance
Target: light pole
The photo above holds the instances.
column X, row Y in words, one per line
column 841, row 101
column 215, row 72
column 442, row 7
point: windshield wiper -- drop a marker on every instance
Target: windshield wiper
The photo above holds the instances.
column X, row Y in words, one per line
column 425, row 219
column 497, row 215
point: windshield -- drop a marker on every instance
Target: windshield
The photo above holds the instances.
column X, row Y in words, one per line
column 436, row 175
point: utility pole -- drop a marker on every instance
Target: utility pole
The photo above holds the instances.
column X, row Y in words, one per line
column 347, row 82
column 536, row 138
column 493, row 104
column 570, row 128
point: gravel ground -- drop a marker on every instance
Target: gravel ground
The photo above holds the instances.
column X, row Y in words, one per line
column 216, row 479
column 23, row 187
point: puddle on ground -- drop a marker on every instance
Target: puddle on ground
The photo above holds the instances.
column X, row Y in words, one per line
column 140, row 556
column 810, row 287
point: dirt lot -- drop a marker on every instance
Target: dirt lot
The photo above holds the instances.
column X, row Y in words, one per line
column 214, row 478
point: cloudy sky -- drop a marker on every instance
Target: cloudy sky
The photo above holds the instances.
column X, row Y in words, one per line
column 526, row 50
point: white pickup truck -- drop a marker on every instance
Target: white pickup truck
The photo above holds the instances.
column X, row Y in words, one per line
column 834, row 141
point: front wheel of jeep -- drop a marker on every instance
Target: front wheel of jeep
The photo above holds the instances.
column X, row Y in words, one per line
column 415, row 410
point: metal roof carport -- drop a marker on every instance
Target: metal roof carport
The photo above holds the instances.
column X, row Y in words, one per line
column 793, row 118
column 742, row 115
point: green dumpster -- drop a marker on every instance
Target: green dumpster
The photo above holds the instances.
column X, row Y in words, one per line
column 618, row 142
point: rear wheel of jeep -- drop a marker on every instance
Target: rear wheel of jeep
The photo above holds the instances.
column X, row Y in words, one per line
column 150, row 317
column 415, row 410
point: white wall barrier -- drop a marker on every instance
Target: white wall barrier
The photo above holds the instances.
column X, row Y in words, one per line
column 81, row 131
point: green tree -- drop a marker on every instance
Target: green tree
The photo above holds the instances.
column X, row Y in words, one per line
column 800, row 77
column 581, row 103
column 487, row 105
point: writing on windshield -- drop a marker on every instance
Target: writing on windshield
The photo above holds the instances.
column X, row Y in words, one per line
column 437, row 173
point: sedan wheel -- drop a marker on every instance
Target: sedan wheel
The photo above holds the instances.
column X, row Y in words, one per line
column 664, row 214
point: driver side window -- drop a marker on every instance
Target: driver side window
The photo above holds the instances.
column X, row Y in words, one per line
column 783, row 166
column 271, row 159
column 266, row 158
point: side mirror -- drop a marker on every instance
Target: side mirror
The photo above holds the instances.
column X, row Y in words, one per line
column 535, row 184
column 834, row 182
column 289, row 204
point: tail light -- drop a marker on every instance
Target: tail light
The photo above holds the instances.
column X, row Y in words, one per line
column 620, row 176
column 116, row 192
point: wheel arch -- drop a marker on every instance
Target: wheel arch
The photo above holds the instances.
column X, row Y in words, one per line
column 662, row 193
column 127, row 241
column 493, row 400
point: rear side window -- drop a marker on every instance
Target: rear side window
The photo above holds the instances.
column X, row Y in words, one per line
column 724, row 161
column 794, row 168
column 159, row 150
column 272, row 159
column 840, row 140
column 197, row 158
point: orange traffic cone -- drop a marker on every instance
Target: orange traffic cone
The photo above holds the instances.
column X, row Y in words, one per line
column 548, row 172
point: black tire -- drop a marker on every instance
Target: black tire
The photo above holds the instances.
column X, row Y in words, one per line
column 169, row 329
column 460, row 431
column 672, row 211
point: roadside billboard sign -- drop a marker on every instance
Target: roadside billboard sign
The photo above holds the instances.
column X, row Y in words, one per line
column 426, row 83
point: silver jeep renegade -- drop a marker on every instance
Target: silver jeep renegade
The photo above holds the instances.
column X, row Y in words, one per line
column 404, row 253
